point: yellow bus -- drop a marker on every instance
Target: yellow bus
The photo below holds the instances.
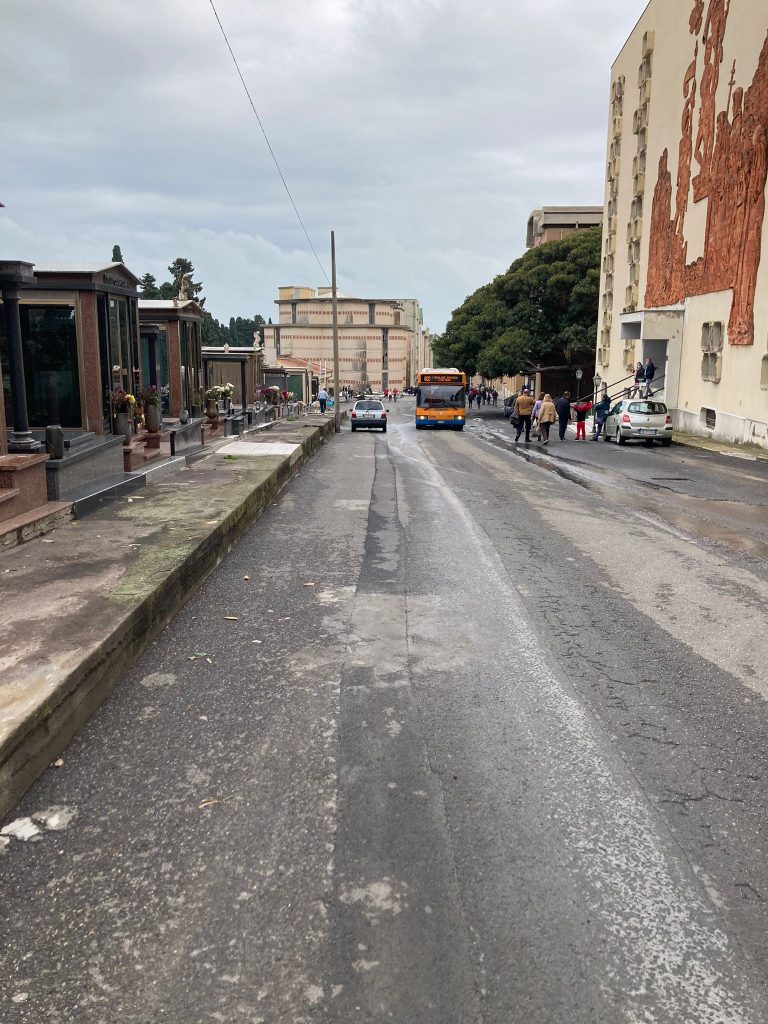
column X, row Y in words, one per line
column 441, row 399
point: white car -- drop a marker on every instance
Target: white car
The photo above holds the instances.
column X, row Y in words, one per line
column 367, row 413
column 638, row 419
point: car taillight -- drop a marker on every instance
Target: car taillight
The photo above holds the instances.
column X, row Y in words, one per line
column 353, row 414
column 385, row 414
column 669, row 419
column 626, row 418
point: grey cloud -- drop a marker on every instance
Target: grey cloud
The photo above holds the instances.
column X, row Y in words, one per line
column 423, row 131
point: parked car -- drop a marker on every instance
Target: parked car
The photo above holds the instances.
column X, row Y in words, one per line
column 367, row 413
column 633, row 419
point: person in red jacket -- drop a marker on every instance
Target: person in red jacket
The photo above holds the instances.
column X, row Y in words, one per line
column 581, row 409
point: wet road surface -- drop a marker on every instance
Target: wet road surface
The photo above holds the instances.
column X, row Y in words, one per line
column 482, row 744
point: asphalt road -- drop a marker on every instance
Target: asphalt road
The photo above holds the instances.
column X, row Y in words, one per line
column 449, row 738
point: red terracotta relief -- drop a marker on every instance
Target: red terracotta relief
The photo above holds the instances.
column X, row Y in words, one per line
column 731, row 150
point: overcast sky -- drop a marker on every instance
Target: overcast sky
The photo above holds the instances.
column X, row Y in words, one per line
column 423, row 131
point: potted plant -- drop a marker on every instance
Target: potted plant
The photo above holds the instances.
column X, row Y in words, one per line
column 151, row 399
column 271, row 395
column 226, row 392
column 123, row 404
column 212, row 397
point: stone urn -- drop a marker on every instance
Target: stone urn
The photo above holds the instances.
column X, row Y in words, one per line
column 123, row 426
column 152, row 418
column 211, row 409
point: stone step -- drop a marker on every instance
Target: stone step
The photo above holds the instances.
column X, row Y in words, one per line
column 8, row 493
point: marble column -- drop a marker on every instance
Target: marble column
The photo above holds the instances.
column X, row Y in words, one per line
column 20, row 439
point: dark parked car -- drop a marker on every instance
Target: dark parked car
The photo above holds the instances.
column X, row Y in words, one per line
column 369, row 413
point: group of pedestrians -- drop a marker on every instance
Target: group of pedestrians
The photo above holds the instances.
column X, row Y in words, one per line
column 529, row 414
column 644, row 374
column 483, row 396
column 390, row 394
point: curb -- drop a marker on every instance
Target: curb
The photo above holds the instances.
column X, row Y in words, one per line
column 29, row 748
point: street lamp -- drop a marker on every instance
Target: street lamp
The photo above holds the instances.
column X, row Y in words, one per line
column 579, row 375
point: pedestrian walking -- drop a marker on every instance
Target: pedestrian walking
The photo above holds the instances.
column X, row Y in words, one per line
column 322, row 397
column 394, row 394
column 581, row 409
column 649, row 372
column 471, row 397
column 636, row 389
column 563, row 407
column 601, row 410
column 495, row 397
column 535, row 414
column 547, row 416
column 523, row 410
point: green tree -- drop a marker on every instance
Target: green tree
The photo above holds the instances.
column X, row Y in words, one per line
column 240, row 330
column 542, row 311
column 178, row 270
column 149, row 289
column 117, row 256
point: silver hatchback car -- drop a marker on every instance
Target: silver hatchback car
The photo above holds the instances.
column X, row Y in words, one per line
column 368, row 413
column 638, row 419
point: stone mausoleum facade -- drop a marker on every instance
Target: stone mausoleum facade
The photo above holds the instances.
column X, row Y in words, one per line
column 685, row 245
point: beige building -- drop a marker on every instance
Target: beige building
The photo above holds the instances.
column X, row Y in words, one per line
column 685, row 246
column 376, row 344
column 552, row 223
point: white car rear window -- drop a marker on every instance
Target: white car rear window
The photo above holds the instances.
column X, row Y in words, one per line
column 648, row 408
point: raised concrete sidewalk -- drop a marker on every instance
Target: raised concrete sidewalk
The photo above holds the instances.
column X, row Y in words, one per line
column 80, row 604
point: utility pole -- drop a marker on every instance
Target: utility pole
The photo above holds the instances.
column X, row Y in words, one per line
column 336, row 389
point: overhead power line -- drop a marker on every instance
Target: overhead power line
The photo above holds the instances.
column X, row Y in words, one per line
column 266, row 139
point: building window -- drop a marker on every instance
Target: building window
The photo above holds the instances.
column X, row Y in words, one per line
column 712, row 349
column 764, row 373
column 49, row 348
column 708, row 418
column 293, row 312
column 371, row 312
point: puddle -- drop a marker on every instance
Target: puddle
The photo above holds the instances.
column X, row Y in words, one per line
column 682, row 511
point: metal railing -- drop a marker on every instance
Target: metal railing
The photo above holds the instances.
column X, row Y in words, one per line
column 647, row 388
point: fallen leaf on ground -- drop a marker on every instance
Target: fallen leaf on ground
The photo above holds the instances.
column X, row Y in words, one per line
column 208, row 803
column 58, row 762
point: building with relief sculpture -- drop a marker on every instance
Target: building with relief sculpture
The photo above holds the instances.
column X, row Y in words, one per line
column 376, row 336
column 685, row 244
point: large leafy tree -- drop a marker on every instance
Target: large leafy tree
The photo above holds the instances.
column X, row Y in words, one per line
column 542, row 311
